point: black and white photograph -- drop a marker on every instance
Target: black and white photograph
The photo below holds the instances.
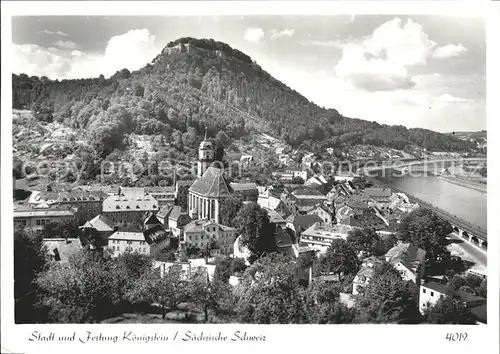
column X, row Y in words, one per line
column 241, row 169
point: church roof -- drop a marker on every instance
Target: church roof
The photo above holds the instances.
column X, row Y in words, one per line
column 211, row 184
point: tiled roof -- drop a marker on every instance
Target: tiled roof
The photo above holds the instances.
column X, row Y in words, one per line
column 24, row 211
column 128, row 236
column 100, row 223
column 409, row 255
column 282, row 238
column 132, row 191
column 302, row 222
column 164, row 211
column 116, row 203
column 243, row 186
column 175, row 213
column 480, row 313
column 468, row 297
column 156, row 234
column 200, row 225
column 438, row 287
column 63, row 248
column 211, row 184
column 151, row 219
column 274, row 217
column 307, row 192
column 74, row 195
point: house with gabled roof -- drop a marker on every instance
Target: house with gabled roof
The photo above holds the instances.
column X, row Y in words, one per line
column 148, row 242
column 209, row 234
column 409, row 260
column 98, row 229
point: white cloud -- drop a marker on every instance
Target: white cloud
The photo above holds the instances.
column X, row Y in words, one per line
column 319, row 43
column 66, row 44
column 131, row 50
column 59, row 33
column 447, row 98
column 380, row 62
column 283, row 33
column 254, row 35
column 449, row 50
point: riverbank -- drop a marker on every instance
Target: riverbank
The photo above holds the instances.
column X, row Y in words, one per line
column 465, row 183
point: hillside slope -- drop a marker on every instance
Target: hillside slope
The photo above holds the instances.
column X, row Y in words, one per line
column 195, row 83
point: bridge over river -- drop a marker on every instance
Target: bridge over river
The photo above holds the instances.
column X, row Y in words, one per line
column 470, row 232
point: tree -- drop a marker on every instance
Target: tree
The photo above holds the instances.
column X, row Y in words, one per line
column 363, row 240
column 270, row 292
column 427, row 231
column 30, row 258
column 448, row 311
column 85, row 289
column 238, row 265
column 340, row 258
column 222, row 269
column 168, row 291
column 134, row 264
column 229, row 210
column 324, row 306
column 256, row 231
column 205, row 295
column 482, row 290
column 388, row 299
column 219, row 152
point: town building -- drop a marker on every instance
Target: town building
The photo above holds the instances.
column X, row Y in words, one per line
column 148, row 242
column 36, row 217
column 246, row 191
column 297, row 224
column 98, row 229
column 345, row 176
column 129, row 206
column 324, row 212
column 380, row 197
column 321, row 235
column 365, row 274
column 305, row 198
column 283, row 241
column 163, row 195
column 88, row 203
column 276, row 219
column 207, row 194
column 209, row 234
column 431, row 292
column 409, row 260
column 269, row 200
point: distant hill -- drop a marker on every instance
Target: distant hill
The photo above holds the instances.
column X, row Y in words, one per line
column 197, row 83
column 478, row 134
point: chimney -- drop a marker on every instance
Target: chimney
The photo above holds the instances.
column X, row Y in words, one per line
column 310, row 273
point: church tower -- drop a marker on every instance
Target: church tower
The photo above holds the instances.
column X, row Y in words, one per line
column 206, row 155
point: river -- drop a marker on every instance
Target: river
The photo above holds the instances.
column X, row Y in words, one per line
column 468, row 204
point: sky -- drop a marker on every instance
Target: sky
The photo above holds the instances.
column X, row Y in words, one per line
column 423, row 71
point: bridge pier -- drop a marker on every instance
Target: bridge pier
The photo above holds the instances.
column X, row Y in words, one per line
column 480, row 242
column 470, row 238
column 460, row 233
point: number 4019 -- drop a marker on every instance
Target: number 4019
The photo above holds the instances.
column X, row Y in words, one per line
column 453, row 337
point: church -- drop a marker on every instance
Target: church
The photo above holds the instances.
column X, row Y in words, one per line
column 211, row 188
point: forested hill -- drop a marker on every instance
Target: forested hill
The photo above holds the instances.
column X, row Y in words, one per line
column 195, row 83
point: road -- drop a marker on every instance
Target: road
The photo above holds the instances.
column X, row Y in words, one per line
column 472, row 252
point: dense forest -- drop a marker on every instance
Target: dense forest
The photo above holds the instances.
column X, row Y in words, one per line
column 197, row 83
